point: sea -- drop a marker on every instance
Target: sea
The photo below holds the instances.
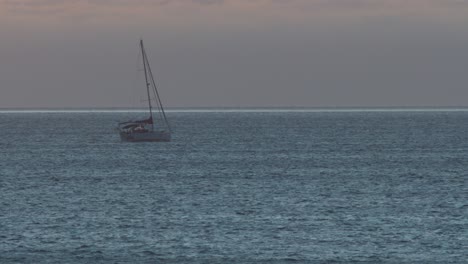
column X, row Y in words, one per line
column 236, row 186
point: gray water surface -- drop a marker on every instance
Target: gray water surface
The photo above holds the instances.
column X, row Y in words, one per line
column 312, row 187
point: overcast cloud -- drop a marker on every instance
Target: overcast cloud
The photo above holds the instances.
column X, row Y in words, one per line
column 235, row 53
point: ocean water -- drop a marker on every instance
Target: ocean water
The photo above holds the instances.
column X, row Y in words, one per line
column 236, row 187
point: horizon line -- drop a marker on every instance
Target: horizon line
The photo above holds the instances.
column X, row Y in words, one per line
column 234, row 109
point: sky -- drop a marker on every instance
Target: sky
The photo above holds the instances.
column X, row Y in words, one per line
column 235, row 53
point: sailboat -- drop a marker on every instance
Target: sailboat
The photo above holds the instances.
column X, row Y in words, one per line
column 147, row 130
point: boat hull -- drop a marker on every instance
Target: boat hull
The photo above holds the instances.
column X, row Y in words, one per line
column 150, row 136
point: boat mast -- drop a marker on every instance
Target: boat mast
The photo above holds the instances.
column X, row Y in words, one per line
column 159, row 103
column 145, row 62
